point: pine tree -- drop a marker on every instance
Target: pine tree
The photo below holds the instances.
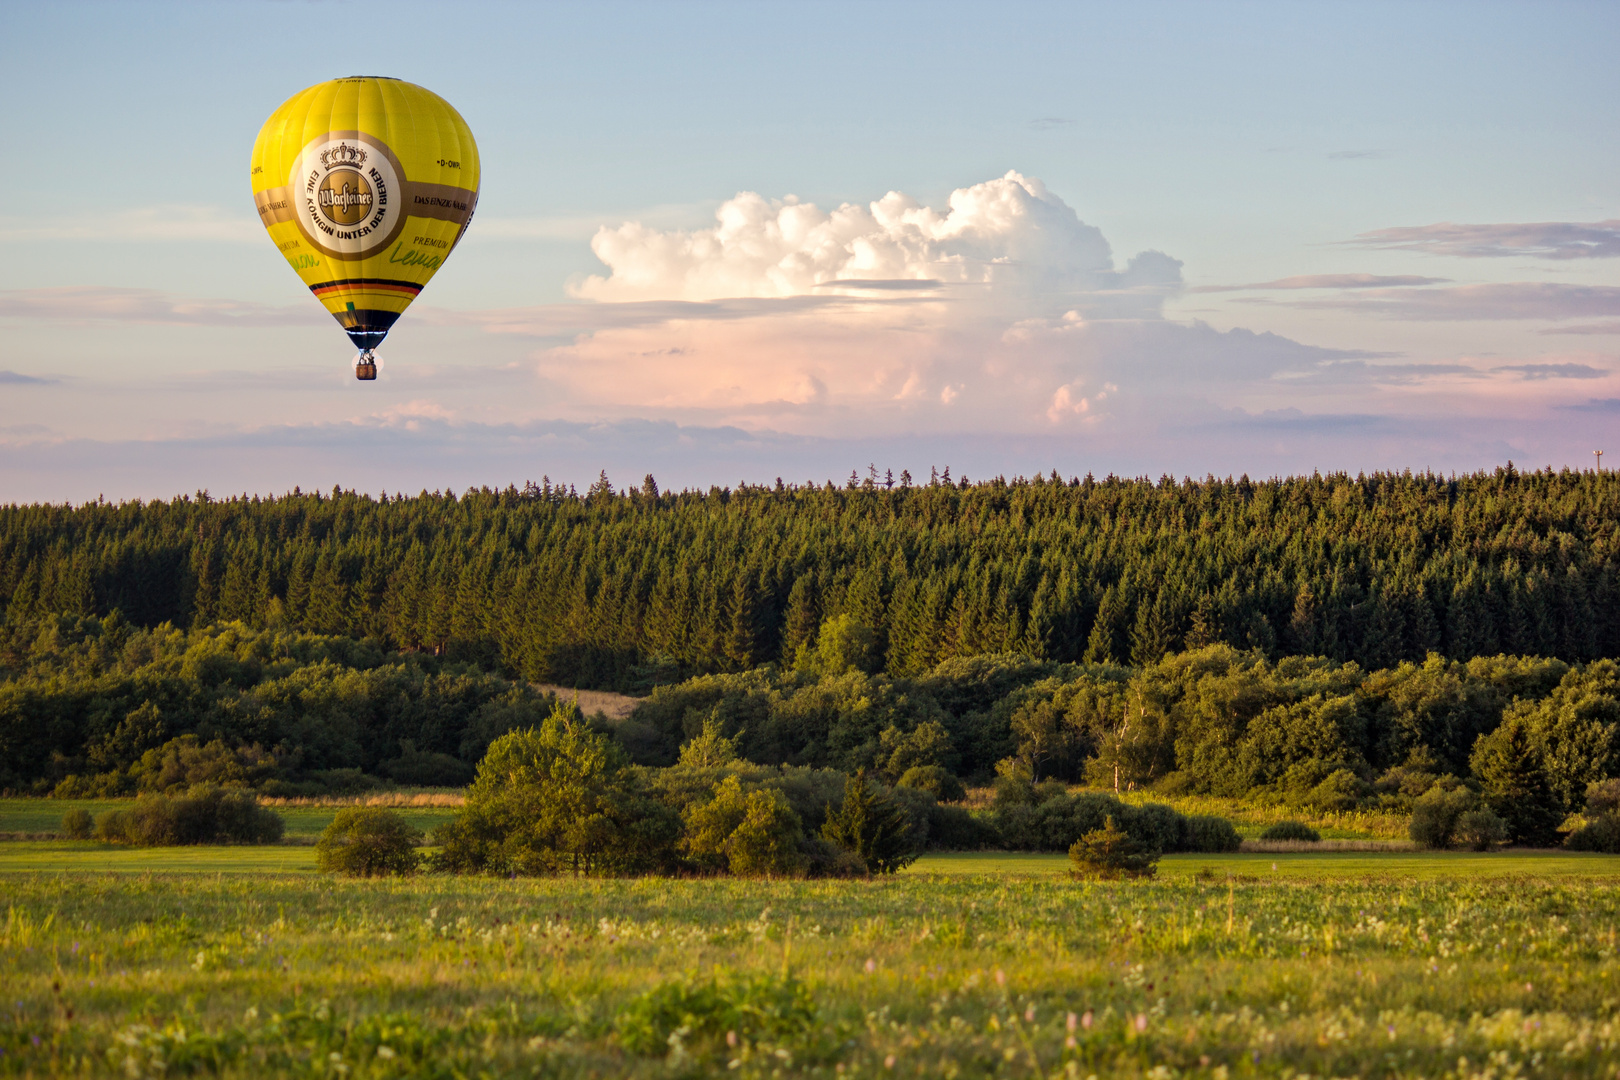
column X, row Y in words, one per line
column 1100, row 646
column 1509, row 766
column 742, row 633
column 871, row 824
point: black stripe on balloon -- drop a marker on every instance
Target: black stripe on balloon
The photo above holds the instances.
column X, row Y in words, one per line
column 366, row 281
column 366, row 327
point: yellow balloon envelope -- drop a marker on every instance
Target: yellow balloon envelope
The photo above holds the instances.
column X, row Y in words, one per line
column 365, row 185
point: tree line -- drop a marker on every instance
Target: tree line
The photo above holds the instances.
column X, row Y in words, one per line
column 628, row 589
column 98, row 707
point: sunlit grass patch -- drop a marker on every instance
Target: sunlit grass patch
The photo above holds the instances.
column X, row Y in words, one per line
column 1331, row 964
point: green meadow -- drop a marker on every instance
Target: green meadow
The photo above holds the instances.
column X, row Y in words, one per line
column 304, row 823
column 242, row 962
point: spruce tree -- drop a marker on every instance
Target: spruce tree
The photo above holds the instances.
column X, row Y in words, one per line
column 871, row 824
column 1509, row 767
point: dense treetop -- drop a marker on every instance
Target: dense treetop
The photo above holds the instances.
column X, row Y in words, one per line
column 625, row 589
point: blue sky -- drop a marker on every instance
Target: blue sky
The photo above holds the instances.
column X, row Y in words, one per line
column 1387, row 237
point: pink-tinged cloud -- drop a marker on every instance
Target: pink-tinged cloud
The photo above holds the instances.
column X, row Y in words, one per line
column 1328, row 281
column 1474, row 303
column 1541, row 239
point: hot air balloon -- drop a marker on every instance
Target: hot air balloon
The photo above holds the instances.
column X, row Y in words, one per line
column 365, row 184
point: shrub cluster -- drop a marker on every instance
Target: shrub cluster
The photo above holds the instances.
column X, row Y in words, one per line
column 1049, row 817
column 1109, row 853
column 563, row 798
column 365, row 841
column 1601, row 832
column 1292, row 830
column 203, row 815
column 1452, row 814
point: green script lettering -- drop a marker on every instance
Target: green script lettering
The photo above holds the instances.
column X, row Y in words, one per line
column 414, row 257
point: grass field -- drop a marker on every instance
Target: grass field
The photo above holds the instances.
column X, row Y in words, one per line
column 304, row 823
column 1344, row 964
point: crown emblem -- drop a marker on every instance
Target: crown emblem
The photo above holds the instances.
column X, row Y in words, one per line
column 342, row 154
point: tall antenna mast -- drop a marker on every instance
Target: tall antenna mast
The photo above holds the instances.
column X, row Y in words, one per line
column 1599, row 455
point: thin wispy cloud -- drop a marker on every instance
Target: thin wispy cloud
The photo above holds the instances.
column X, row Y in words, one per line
column 1596, row 405
column 1555, row 371
column 1542, row 240
column 882, row 284
column 1356, row 155
column 1594, row 329
column 1329, row 281
column 14, row 378
column 1489, row 302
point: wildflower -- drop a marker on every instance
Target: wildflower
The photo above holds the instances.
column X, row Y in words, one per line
column 1141, row 1022
column 1070, row 1021
column 1085, row 1021
column 1029, row 1014
column 385, row 1052
column 731, row 1038
column 1001, row 978
column 888, row 1062
column 871, row 965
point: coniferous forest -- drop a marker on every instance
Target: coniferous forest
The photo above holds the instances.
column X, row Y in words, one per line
column 619, row 590
column 1314, row 637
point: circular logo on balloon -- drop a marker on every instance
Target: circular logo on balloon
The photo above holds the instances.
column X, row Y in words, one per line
column 347, row 194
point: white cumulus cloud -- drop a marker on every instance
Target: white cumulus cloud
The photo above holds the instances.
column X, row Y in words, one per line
column 1009, row 240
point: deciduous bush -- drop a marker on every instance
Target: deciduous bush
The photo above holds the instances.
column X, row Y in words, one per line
column 78, row 824
column 1598, row 834
column 1049, row 817
column 204, row 815
column 955, row 828
column 1603, row 798
column 558, row 799
column 368, row 841
column 748, row 833
column 1435, row 814
column 1109, row 853
column 844, row 643
column 1480, row 830
column 1209, row 834
column 936, row 780
column 928, row 746
column 1292, row 830
column 421, row 768
column 1601, row 832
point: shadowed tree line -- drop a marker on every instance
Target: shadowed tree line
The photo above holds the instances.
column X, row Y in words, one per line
column 625, row 590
